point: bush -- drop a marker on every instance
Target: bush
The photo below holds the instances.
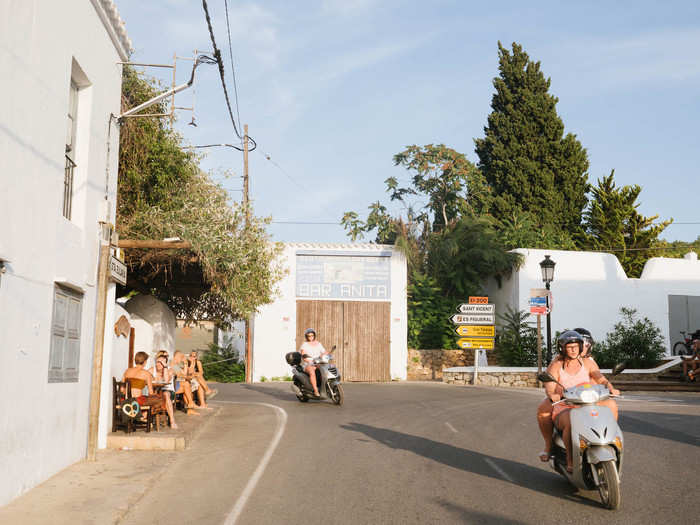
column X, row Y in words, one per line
column 221, row 365
column 636, row 341
column 429, row 312
column 517, row 339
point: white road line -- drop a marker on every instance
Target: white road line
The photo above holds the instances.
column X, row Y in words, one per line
column 235, row 513
column 499, row 470
column 453, row 429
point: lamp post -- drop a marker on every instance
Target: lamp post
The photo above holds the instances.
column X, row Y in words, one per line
column 547, row 267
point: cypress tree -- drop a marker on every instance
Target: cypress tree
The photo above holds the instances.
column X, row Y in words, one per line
column 612, row 223
column 525, row 157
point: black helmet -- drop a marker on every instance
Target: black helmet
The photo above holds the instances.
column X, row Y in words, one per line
column 586, row 334
column 569, row 336
column 309, row 331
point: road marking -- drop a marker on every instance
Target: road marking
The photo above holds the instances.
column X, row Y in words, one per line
column 235, row 513
column 453, row 429
column 499, row 470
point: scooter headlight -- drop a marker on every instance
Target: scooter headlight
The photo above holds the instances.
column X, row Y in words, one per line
column 589, row 396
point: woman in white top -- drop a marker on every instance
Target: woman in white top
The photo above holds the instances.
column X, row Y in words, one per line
column 310, row 350
column 163, row 376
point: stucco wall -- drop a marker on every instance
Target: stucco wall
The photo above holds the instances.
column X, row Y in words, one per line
column 154, row 324
column 274, row 326
column 43, row 426
column 589, row 289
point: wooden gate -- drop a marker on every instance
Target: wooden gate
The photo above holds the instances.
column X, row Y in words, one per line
column 359, row 330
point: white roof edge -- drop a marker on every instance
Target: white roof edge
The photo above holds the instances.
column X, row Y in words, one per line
column 339, row 246
column 115, row 26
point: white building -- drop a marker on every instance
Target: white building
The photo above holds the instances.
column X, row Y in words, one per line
column 353, row 295
column 61, row 82
column 589, row 289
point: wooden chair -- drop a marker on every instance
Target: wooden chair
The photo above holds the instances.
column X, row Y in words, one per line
column 121, row 390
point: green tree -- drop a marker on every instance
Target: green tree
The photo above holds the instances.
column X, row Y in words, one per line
column 612, row 223
column 636, row 341
column 232, row 267
column 524, row 156
column 516, row 339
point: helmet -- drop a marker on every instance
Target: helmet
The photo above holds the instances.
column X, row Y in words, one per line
column 586, row 334
column 309, row 331
column 569, row 336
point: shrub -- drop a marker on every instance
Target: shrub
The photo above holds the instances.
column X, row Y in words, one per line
column 429, row 312
column 517, row 339
column 221, row 365
column 636, row 341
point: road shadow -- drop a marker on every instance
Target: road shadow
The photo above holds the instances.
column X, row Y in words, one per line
column 283, row 394
column 656, row 424
column 467, row 515
column 520, row 474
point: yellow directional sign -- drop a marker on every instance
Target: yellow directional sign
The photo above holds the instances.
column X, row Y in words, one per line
column 467, row 330
column 475, row 342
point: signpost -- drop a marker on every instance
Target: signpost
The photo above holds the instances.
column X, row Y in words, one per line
column 476, row 343
column 475, row 330
column 117, row 270
column 485, row 319
column 476, row 308
column 476, row 327
column 540, row 304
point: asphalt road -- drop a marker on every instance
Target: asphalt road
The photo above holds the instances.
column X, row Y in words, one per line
column 404, row 453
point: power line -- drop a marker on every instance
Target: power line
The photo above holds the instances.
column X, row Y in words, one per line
column 307, row 222
column 233, row 70
column 219, row 60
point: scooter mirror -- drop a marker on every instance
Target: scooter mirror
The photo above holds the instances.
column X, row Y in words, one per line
column 546, row 377
column 618, row 368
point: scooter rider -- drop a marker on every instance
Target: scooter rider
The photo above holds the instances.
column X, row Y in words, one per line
column 310, row 350
column 571, row 371
column 544, row 410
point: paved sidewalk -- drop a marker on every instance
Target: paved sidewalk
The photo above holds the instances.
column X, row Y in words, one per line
column 103, row 491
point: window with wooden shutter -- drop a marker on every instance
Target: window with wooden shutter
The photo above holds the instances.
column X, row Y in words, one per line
column 64, row 357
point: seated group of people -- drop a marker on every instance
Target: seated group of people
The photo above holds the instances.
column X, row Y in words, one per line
column 159, row 385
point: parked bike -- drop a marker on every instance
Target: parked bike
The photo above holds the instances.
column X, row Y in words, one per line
column 596, row 438
column 327, row 379
column 683, row 347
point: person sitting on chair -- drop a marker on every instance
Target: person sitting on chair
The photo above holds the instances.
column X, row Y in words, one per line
column 182, row 381
column 163, row 375
column 142, row 382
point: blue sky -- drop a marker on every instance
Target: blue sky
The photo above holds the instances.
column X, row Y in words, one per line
column 332, row 89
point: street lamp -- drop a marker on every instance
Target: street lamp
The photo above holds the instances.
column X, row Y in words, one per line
column 547, row 267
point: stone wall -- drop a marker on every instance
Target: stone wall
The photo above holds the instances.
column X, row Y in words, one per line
column 507, row 379
column 427, row 365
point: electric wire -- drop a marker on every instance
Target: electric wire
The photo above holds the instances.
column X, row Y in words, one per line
column 219, row 60
column 233, row 69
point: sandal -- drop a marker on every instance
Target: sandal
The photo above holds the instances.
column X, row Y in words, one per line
column 545, row 456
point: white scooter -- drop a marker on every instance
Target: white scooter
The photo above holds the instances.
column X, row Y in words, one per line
column 327, row 379
column 596, row 442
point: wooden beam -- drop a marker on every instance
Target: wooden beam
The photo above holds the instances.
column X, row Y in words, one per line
column 134, row 243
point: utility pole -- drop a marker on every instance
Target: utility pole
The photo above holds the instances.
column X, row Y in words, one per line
column 98, row 352
column 246, row 205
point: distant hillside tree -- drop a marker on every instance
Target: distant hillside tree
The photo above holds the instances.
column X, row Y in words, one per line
column 613, row 224
column 525, row 157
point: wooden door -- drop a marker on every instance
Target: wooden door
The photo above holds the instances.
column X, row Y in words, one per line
column 366, row 341
column 360, row 331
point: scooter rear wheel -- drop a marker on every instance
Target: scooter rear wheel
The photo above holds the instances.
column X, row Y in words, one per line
column 609, row 488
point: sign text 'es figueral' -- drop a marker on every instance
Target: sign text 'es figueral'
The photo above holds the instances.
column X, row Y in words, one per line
column 343, row 277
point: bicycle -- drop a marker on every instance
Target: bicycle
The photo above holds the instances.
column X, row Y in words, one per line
column 683, row 347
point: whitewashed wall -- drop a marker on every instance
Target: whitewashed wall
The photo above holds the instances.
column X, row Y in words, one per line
column 590, row 288
column 154, row 323
column 274, row 326
column 43, row 426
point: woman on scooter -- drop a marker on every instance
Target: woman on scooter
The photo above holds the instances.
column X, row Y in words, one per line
column 544, row 411
column 572, row 370
column 309, row 351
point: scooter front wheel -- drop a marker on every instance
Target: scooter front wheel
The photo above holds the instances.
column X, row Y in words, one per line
column 609, row 487
column 335, row 392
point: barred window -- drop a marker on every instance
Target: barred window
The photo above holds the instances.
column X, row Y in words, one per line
column 70, row 150
column 64, row 356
